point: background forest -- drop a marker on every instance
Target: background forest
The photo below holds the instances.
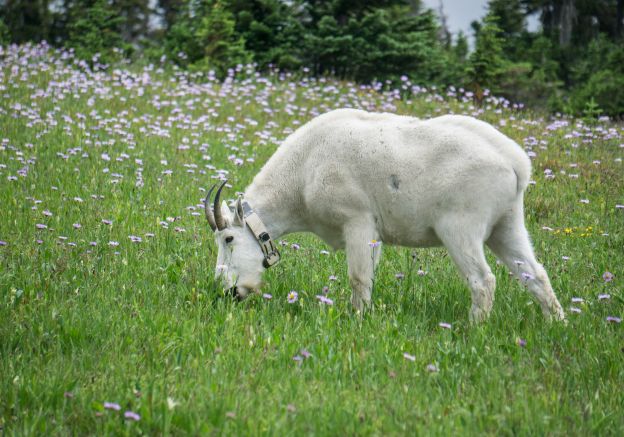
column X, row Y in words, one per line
column 574, row 63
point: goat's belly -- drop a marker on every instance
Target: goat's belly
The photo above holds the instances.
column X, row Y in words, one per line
column 413, row 236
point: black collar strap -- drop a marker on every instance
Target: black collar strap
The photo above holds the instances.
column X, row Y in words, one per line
column 271, row 254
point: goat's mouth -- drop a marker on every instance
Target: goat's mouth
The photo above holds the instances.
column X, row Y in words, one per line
column 241, row 293
column 233, row 292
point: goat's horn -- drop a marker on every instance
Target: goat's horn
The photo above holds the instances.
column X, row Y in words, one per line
column 208, row 211
column 219, row 221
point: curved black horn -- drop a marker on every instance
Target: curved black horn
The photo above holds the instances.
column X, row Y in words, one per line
column 208, row 211
column 219, row 220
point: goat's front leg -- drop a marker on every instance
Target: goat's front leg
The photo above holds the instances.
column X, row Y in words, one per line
column 363, row 253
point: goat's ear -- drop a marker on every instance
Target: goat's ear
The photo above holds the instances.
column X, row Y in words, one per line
column 238, row 217
column 226, row 212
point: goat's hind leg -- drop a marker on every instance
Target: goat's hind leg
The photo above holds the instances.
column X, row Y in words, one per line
column 466, row 249
column 510, row 242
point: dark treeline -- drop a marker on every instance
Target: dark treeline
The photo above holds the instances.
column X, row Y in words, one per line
column 574, row 63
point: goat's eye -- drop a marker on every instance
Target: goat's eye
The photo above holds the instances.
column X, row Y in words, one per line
column 229, row 239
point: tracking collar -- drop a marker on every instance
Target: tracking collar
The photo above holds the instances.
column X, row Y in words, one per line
column 271, row 254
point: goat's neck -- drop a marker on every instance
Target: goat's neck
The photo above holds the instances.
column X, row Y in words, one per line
column 277, row 207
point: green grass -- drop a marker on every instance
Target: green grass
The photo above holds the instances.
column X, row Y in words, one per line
column 144, row 326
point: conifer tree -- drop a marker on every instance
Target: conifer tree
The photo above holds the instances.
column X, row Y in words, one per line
column 487, row 61
column 95, row 29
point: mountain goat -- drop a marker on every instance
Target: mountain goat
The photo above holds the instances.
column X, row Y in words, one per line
column 353, row 177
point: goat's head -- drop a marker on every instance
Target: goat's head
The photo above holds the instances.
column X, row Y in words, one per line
column 240, row 260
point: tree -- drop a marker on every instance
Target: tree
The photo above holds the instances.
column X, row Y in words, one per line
column 373, row 40
column 95, row 29
column 204, row 37
column 510, row 19
column 599, row 74
column 5, row 36
column 272, row 31
column 135, row 15
column 27, row 20
column 486, row 62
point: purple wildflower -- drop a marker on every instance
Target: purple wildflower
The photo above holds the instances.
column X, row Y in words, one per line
column 324, row 299
column 521, row 342
column 41, row 226
column 604, row 296
column 432, row 368
column 575, row 310
column 409, row 357
column 304, row 353
column 107, row 222
column 267, row 296
column 374, row 243
column 3, row 243
column 608, row 276
column 445, row 325
column 399, row 276
column 292, row 296
column 77, row 225
column 614, row 319
column 527, row 276
column 131, row 415
column 111, row 406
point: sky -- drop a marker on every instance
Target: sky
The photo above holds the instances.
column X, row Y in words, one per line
column 460, row 13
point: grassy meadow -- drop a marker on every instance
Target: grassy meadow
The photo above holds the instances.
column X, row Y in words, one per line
column 111, row 322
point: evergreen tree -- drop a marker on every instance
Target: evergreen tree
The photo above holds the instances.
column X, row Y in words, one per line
column 486, row 62
column 95, row 29
column 271, row 29
column 460, row 49
column 204, row 37
column 510, row 19
column 135, row 15
column 169, row 11
column 27, row 20
column 5, row 36
column 377, row 40
column 599, row 74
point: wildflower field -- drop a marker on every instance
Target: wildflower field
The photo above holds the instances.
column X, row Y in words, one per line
column 111, row 321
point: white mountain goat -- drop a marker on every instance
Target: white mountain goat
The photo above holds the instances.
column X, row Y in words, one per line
column 352, row 177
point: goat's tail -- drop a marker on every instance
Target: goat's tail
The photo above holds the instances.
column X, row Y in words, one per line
column 522, row 168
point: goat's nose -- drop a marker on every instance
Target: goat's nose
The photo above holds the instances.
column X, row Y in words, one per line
column 233, row 292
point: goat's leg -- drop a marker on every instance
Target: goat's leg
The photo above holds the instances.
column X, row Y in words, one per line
column 362, row 257
column 510, row 242
column 465, row 245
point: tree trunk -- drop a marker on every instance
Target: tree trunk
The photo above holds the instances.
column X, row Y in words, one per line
column 619, row 18
column 566, row 18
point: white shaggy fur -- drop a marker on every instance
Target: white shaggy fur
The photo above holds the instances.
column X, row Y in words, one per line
column 350, row 177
